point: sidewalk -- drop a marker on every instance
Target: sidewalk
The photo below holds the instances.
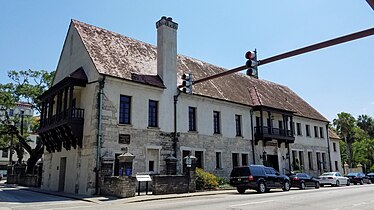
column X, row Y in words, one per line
column 109, row 199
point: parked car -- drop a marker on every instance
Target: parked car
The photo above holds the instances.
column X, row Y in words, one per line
column 333, row 179
column 303, row 180
column 358, row 178
column 1, row 176
column 258, row 177
column 370, row 177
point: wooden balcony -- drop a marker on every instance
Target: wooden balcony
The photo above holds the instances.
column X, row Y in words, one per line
column 61, row 123
column 267, row 134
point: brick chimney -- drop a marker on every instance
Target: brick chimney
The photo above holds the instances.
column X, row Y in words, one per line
column 167, row 52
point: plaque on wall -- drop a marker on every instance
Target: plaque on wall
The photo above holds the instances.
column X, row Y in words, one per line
column 124, row 139
column 107, row 169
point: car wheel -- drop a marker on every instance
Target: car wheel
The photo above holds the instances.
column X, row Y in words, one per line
column 348, row 182
column 317, row 185
column 369, row 181
column 286, row 186
column 240, row 190
column 361, row 182
column 261, row 187
column 302, row 186
column 337, row 183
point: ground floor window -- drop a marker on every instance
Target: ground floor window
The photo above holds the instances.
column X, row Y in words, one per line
column 318, row 160
column 310, row 160
column 336, row 166
column 153, row 160
column 200, row 159
column 244, row 159
column 218, row 160
column 235, row 159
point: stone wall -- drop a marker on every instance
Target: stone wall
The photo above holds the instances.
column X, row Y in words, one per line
column 121, row 187
column 24, row 180
column 171, row 184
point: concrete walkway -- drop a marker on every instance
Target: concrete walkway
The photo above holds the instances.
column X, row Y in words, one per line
column 109, row 199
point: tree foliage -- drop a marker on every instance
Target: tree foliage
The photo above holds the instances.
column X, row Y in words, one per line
column 358, row 136
column 26, row 86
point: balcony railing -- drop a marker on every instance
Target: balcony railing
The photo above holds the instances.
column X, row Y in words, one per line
column 68, row 114
column 265, row 131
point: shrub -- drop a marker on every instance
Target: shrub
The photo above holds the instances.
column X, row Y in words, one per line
column 205, row 180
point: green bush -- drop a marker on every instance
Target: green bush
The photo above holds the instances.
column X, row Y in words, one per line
column 205, row 180
column 222, row 181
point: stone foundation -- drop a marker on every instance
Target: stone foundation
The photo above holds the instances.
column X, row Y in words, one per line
column 171, row 184
column 121, row 187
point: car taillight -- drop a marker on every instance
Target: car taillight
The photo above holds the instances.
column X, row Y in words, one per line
column 295, row 178
column 329, row 178
column 250, row 178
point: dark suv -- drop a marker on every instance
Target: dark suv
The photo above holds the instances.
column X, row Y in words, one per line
column 258, row 177
column 358, row 178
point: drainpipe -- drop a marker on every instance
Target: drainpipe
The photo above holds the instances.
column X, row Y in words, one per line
column 328, row 145
column 99, row 134
column 252, row 143
column 289, row 157
column 175, row 123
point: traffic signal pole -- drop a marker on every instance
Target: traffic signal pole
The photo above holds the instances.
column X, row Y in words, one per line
column 321, row 45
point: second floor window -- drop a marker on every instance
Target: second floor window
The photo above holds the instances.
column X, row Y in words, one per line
column 152, row 113
column 298, row 127
column 192, row 118
column 216, row 122
column 334, row 146
column 316, row 131
column 125, row 109
column 321, row 132
column 307, row 128
column 238, row 124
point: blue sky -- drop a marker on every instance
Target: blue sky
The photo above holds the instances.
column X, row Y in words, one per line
column 335, row 79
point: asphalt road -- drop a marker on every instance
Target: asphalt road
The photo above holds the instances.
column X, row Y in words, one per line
column 330, row 198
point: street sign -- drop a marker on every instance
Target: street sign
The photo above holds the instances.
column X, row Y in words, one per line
column 143, row 178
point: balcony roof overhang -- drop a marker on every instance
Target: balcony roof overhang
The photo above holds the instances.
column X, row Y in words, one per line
column 77, row 78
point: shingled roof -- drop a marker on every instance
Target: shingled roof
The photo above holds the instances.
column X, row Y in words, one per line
column 123, row 57
column 333, row 135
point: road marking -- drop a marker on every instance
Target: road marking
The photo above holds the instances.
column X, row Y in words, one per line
column 359, row 204
column 245, row 204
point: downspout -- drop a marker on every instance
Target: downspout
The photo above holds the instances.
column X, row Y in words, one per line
column 252, row 142
column 99, row 134
column 289, row 157
column 328, row 145
column 175, row 123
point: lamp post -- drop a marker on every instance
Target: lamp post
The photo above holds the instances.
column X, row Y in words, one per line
column 20, row 148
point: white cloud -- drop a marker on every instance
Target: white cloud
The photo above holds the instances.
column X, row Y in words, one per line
column 372, row 103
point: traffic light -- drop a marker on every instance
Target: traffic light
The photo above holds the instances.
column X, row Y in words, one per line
column 252, row 63
column 187, row 83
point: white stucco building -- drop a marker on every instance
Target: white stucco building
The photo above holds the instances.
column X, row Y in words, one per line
column 112, row 93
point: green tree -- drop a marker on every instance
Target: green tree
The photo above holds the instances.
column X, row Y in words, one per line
column 25, row 86
column 366, row 123
column 344, row 126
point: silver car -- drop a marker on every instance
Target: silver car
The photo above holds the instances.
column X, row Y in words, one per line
column 333, row 179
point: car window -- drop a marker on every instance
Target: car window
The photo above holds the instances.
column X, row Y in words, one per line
column 338, row 174
column 307, row 176
column 241, row 171
column 268, row 171
column 352, row 174
column 328, row 174
column 273, row 171
column 256, row 171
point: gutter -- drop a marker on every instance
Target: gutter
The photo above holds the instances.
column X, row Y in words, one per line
column 175, row 139
column 252, row 142
column 328, row 145
column 99, row 134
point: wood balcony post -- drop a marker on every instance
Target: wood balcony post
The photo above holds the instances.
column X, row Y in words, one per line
column 71, row 94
